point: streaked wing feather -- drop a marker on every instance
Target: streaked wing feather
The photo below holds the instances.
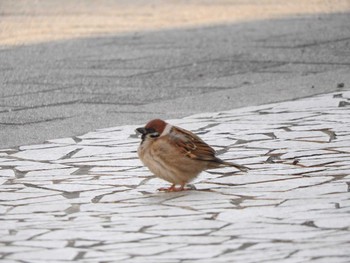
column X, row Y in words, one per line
column 193, row 146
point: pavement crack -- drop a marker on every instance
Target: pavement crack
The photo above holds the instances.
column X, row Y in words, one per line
column 309, row 223
column 244, row 246
column 71, row 154
column 40, row 187
column 34, row 92
column 35, row 122
column 46, row 105
column 80, row 255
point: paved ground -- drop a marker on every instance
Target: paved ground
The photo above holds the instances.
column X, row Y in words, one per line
column 89, row 199
column 66, row 69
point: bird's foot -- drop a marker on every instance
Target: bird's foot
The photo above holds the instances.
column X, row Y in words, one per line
column 173, row 188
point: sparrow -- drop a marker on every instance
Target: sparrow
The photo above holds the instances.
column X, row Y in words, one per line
column 176, row 155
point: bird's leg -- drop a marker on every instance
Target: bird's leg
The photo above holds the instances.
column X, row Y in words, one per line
column 173, row 188
column 167, row 189
column 181, row 188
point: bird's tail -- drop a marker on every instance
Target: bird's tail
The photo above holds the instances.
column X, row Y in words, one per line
column 238, row 166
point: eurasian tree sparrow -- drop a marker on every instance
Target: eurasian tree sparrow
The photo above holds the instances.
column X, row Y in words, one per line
column 176, row 155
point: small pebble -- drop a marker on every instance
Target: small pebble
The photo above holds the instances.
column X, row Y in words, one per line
column 295, row 161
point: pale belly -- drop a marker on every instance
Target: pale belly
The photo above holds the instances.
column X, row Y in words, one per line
column 166, row 169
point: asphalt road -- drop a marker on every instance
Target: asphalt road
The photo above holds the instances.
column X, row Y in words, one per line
column 64, row 81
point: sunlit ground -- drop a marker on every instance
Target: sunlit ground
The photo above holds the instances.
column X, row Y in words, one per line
column 33, row 21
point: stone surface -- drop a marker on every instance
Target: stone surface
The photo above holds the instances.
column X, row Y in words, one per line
column 91, row 200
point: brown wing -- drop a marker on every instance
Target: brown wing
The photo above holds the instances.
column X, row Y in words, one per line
column 191, row 145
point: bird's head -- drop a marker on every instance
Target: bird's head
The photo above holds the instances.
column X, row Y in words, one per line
column 153, row 129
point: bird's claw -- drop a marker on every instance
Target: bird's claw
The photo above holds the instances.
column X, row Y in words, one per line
column 173, row 188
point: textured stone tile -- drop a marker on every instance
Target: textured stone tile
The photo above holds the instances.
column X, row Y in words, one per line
column 341, row 221
column 17, row 249
column 198, row 224
column 335, row 252
column 19, row 195
column 39, row 146
column 88, row 151
column 74, row 187
column 90, row 199
column 298, row 154
column 47, row 254
column 93, row 256
column 68, row 141
column 189, row 240
column 293, row 145
column 38, row 199
column 316, row 136
column 43, row 244
column 257, row 256
column 196, row 252
column 52, row 172
column 7, row 173
column 2, row 181
column 117, row 181
column 3, row 209
column 94, row 234
column 249, row 179
column 287, row 185
column 147, row 249
column 117, row 163
column 40, row 208
column 163, row 211
column 21, row 235
column 47, row 154
column 26, row 166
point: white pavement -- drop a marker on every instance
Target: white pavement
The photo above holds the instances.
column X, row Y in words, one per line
column 89, row 199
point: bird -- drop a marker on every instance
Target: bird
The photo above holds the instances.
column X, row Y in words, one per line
column 176, row 155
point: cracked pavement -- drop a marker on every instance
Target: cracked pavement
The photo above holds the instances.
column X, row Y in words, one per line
column 266, row 83
column 89, row 199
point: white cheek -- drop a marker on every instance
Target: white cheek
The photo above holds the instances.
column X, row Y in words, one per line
column 166, row 130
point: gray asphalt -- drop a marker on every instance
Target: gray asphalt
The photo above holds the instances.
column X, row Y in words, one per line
column 69, row 87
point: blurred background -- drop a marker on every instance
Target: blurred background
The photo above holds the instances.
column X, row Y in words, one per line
column 35, row 21
column 69, row 67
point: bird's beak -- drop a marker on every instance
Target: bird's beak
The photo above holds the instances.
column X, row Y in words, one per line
column 141, row 130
